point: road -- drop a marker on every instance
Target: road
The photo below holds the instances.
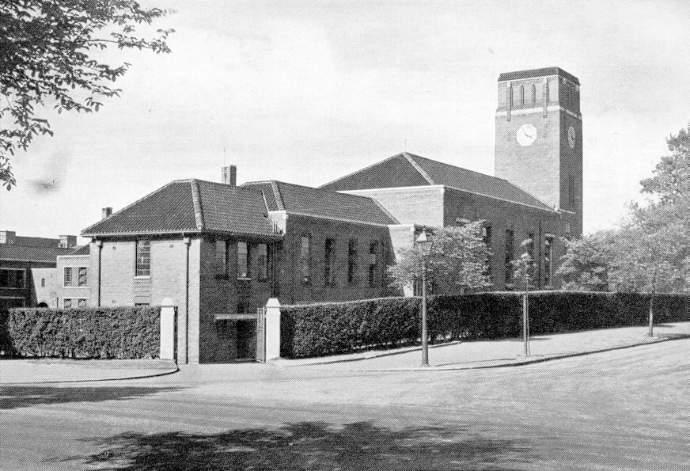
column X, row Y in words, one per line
column 624, row 409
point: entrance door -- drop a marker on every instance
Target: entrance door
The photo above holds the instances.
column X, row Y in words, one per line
column 246, row 339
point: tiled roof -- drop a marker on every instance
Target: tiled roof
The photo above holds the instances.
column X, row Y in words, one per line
column 522, row 74
column 407, row 169
column 31, row 254
column 81, row 250
column 189, row 206
column 316, row 202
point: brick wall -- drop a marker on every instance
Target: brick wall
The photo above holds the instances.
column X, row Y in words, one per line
column 73, row 291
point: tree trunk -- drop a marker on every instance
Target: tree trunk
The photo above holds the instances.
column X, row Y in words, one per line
column 651, row 305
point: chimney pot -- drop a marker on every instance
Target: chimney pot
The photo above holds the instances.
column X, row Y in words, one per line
column 106, row 212
column 229, row 175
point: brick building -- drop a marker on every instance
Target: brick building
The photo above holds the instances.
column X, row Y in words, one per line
column 219, row 250
column 27, row 269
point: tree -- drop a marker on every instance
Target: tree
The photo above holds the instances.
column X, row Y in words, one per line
column 523, row 274
column 584, row 267
column 49, row 55
column 648, row 262
column 457, row 260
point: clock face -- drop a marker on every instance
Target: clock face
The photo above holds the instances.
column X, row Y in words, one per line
column 526, row 135
column 571, row 137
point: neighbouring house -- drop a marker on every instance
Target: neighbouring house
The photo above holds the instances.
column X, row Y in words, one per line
column 72, row 278
column 219, row 251
column 27, row 269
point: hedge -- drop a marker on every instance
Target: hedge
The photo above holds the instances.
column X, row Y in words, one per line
column 332, row 328
column 124, row 332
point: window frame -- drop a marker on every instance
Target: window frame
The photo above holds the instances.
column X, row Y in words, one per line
column 262, row 266
column 68, row 280
column 352, row 261
column 373, row 262
column 143, row 269
column 23, row 278
column 329, row 261
column 305, row 258
column 247, row 274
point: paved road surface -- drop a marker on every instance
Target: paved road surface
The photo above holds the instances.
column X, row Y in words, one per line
column 625, row 409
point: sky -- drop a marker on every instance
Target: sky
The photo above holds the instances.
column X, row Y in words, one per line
column 307, row 91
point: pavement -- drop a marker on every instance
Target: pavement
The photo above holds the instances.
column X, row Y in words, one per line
column 453, row 356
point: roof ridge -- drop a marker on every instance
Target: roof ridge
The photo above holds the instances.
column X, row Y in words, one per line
column 198, row 208
column 124, row 208
column 399, row 154
column 458, row 167
column 418, row 168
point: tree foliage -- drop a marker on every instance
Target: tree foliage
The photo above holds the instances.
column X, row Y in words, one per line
column 50, row 56
column 584, row 267
column 457, row 261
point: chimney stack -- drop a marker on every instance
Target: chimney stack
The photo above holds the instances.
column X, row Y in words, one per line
column 106, row 212
column 67, row 241
column 229, row 175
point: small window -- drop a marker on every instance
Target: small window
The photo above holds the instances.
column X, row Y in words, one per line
column 143, row 258
column 352, row 261
column 533, row 94
column 82, row 277
column 81, row 302
column 243, row 260
column 262, row 262
column 221, row 257
column 373, row 262
column 329, row 263
column 305, row 258
column 522, row 94
column 67, row 303
column 548, row 257
column 508, row 258
column 43, row 282
column 68, row 277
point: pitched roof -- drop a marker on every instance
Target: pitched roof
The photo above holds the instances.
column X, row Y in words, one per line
column 23, row 253
column 407, row 169
column 522, row 74
column 298, row 199
column 190, row 206
column 81, row 250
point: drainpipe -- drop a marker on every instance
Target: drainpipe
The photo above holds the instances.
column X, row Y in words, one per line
column 99, row 244
column 187, row 243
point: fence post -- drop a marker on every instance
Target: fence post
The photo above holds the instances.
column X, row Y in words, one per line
column 272, row 329
column 167, row 335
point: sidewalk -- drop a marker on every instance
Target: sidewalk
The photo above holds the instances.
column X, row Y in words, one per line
column 51, row 370
column 493, row 353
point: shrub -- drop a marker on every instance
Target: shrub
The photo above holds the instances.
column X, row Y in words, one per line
column 331, row 328
column 124, row 332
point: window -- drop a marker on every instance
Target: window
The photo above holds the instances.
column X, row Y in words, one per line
column 43, row 282
column 262, row 262
column 81, row 302
column 548, row 256
column 533, row 96
column 352, row 261
column 82, row 276
column 305, row 258
column 486, row 237
column 67, row 303
column 243, row 260
column 329, row 263
column 509, row 242
column 12, row 278
column 68, row 276
column 221, row 258
column 373, row 262
column 530, row 252
column 143, row 258
column 522, row 94
column 571, row 191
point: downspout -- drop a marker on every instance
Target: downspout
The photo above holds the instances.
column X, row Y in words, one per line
column 187, row 243
column 99, row 244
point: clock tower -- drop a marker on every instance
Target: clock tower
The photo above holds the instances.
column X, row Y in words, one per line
column 539, row 139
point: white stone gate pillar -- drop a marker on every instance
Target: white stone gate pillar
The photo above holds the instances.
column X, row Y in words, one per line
column 167, row 335
column 272, row 329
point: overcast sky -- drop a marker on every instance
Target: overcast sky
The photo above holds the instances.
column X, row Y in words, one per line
column 307, row 91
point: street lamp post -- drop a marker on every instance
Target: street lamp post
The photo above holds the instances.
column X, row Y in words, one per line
column 425, row 245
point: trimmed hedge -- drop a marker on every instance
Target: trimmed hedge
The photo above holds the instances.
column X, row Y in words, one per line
column 124, row 332
column 332, row 328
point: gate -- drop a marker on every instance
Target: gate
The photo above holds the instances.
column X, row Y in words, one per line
column 261, row 335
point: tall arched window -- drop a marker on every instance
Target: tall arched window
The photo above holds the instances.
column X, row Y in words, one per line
column 534, row 94
column 522, row 95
